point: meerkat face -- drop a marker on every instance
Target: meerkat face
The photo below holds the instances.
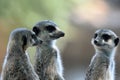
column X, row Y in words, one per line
column 47, row 30
column 25, row 38
column 105, row 39
column 30, row 39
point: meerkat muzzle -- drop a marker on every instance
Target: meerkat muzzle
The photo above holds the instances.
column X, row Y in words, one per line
column 61, row 34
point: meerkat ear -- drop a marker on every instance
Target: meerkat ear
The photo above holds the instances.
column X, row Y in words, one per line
column 116, row 41
column 24, row 39
column 36, row 30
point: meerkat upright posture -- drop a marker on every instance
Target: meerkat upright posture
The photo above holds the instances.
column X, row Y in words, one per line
column 102, row 66
column 48, row 63
column 17, row 65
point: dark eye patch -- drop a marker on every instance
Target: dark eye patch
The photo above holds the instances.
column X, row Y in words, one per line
column 36, row 30
column 95, row 35
column 116, row 41
column 106, row 37
column 24, row 39
column 50, row 28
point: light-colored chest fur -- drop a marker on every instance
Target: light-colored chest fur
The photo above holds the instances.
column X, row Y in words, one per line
column 110, row 71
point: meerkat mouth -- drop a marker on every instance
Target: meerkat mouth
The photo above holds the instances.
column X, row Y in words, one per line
column 55, row 37
column 98, row 44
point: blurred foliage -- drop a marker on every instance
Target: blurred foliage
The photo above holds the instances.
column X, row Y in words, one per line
column 28, row 12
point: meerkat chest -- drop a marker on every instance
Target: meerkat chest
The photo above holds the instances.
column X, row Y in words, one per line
column 109, row 75
column 110, row 71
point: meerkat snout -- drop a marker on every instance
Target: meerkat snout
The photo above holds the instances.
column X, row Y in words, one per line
column 36, row 40
column 31, row 39
column 96, row 42
column 57, row 34
column 61, row 34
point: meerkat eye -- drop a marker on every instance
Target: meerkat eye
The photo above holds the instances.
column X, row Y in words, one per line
column 106, row 37
column 50, row 28
column 95, row 35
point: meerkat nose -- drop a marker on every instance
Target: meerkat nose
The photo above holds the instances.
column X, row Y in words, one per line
column 95, row 41
column 40, row 41
column 62, row 34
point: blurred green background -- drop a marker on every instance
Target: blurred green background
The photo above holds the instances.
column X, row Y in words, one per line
column 79, row 19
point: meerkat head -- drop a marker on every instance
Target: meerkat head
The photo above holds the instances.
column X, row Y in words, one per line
column 105, row 39
column 47, row 30
column 24, row 37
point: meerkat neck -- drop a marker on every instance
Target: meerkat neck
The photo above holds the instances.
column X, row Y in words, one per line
column 49, row 43
column 108, row 53
column 45, row 46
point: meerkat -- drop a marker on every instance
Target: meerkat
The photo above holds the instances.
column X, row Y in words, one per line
column 102, row 66
column 48, row 64
column 17, row 65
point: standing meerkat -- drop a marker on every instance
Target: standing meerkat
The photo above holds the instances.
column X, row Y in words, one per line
column 48, row 64
column 17, row 65
column 102, row 66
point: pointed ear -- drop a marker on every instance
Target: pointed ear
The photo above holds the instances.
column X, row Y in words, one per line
column 24, row 39
column 116, row 41
column 36, row 30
